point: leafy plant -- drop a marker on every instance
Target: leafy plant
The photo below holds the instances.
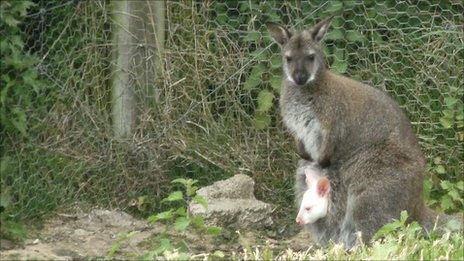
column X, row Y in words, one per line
column 447, row 194
column 177, row 217
column 117, row 245
column 19, row 79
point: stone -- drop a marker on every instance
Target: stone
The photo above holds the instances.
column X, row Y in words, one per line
column 237, row 187
column 231, row 203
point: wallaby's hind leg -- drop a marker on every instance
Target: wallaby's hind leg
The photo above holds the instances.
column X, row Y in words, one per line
column 372, row 205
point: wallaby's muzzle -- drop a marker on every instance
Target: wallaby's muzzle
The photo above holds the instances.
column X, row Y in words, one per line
column 300, row 78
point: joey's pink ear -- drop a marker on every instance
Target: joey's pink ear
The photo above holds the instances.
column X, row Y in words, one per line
column 323, row 187
column 311, row 176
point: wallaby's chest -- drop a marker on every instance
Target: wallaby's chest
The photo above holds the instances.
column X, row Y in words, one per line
column 303, row 123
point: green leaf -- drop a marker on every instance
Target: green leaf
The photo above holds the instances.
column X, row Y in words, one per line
column 213, row 230
column 10, row 20
column 460, row 185
column 446, row 203
column 387, row 229
column 200, row 200
column 446, row 122
column 260, row 55
column 276, row 61
column 265, row 100
column 180, row 180
column 354, row 36
column 161, row 216
column 448, row 114
column 254, row 79
column 17, row 41
column 164, row 244
column 181, row 223
column 440, row 169
column 198, row 222
column 257, row 71
column 335, row 34
column 252, row 36
column 454, row 194
column 445, row 184
column 181, row 211
column 251, row 83
column 222, row 19
column 427, row 188
column 262, row 120
column 174, row 196
column 450, row 102
column 276, row 82
column 334, row 7
column 191, row 190
column 340, row 66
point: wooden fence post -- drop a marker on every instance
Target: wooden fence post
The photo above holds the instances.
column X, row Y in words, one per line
column 138, row 38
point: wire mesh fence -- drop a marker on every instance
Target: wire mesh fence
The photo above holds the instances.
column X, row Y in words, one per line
column 206, row 93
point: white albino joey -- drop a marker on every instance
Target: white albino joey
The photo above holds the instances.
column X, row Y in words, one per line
column 315, row 202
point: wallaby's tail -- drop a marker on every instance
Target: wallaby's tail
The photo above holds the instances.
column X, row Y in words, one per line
column 432, row 220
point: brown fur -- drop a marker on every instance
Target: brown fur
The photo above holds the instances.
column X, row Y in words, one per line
column 358, row 134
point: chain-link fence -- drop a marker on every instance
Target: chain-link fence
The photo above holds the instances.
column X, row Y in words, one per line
column 205, row 91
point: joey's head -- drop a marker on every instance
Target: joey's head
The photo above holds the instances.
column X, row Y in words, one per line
column 303, row 58
column 315, row 202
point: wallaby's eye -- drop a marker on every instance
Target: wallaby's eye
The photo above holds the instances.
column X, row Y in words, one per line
column 309, row 58
column 288, row 58
column 307, row 208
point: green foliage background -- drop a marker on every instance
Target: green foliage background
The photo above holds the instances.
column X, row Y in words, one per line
column 217, row 112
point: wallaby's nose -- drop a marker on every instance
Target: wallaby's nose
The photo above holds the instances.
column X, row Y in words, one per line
column 301, row 78
column 299, row 221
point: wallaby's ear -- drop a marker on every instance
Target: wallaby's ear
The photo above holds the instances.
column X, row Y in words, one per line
column 311, row 176
column 318, row 31
column 323, row 187
column 280, row 34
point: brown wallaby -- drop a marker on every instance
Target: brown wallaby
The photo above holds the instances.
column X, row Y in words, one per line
column 357, row 133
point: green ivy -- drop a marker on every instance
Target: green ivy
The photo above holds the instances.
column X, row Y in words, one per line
column 19, row 79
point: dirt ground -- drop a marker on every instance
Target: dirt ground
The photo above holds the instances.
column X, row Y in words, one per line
column 91, row 235
column 83, row 235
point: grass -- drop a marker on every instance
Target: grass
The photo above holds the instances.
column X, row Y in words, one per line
column 399, row 247
column 407, row 242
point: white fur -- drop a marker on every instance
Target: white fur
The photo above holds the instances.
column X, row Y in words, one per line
column 296, row 121
column 287, row 74
column 313, row 73
column 317, row 204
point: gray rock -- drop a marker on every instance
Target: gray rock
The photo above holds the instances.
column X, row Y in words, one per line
column 231, row 203
column 237, row 187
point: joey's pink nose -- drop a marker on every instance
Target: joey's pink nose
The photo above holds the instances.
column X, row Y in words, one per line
column 299, row 221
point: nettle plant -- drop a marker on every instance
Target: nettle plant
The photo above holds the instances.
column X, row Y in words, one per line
column 178, row 218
